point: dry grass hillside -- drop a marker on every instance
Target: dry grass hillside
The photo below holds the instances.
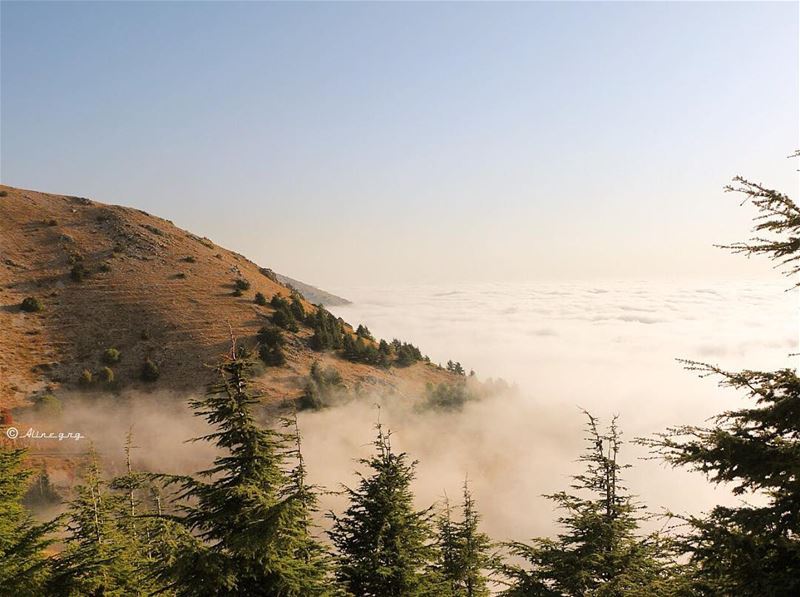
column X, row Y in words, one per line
column 151, row 291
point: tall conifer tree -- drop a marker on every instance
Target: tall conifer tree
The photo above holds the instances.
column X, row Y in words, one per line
column 599, row 552
column 99, row 557
column 250, row 511
column 750, row 549
column 383, row 542
column 23, row 565
column 463, row 551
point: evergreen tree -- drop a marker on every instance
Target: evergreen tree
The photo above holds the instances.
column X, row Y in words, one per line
column 270, row 346
column 407, row 353
column 463, row 551
column 362, row 331
column 599, row 551
column 750, row 549
column 359, row 350
column 249, row 511
column 23, row 566
column 296, row 307
column 283, row 316
column 323, row 388
column 99, row 557
column 383, row 543
column 151, row 538
column 455, row 367
column 328, row 331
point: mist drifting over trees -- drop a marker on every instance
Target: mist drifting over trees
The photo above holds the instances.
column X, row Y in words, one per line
column 248, row 523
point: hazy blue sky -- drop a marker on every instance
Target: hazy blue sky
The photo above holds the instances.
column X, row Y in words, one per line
column 409, row 142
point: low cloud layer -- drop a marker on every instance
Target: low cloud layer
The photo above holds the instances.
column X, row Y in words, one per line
column 607, row 348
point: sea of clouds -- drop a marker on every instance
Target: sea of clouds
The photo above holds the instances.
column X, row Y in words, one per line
column 609, row 348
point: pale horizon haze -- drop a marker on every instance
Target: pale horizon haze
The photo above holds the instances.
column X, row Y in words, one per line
column 414, row 143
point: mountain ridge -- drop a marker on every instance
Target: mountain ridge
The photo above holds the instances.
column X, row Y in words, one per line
column 151, row 291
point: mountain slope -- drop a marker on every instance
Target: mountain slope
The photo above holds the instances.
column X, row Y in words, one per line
column 152, row 291
column 312, row 293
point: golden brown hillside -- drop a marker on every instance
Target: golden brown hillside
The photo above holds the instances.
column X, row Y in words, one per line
column 150, row 290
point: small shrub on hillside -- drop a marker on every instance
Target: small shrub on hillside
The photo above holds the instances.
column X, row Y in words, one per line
column 189, row 259
column 150, row 371
column 85, row 378
column 242, row 284
column 31, row 304
column 260, row 299
column 104, row 267
column 455, row 368
column 270, row 346
column 237, row 292
column 111, row 356
column 78, row 272
column 118, row 248
column 3, row 193
column 47, row 406
column 74, row 258
column 153, row 229
column 145, row 335
column 106, row 375
column 52, row 222
column 323, row 388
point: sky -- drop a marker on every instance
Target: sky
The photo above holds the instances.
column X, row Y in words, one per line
column 414, row 143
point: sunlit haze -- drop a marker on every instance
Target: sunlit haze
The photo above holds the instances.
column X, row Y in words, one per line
column 347, row 143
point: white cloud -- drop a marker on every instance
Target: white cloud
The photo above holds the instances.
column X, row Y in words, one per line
column 608, row 348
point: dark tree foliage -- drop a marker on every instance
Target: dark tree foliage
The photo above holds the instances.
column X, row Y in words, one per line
column 362, row 331
column 283, row 316
column 150, row 371
column 778, row 219
column 751, row 549
column 384, row 545
column 463, row 551
column 24, row 567
column 296, row 307
column 250, row 511
column 323, row 388
column 599, row 551
column 407, row 353
column 78, row 272
column 455, row 367
column 99, row 558
column 260, row 299
column 270, row 346
column 448, row 396
column 41, row 492
column 360, row 350
column 32, row 304
column 328, row 330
